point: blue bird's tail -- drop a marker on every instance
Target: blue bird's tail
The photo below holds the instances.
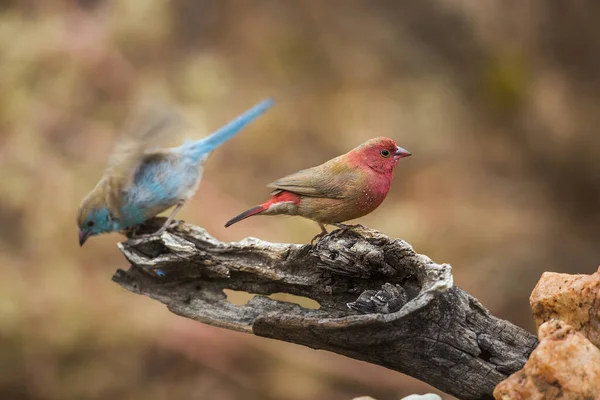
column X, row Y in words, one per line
column 217, row 138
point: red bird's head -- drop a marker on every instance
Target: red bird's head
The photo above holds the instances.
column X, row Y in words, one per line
column 381, row 154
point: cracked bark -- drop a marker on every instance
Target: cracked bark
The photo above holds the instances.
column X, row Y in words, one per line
column 380, row 302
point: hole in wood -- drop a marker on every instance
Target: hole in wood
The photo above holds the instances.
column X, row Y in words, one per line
column 485, row 355
column 240, row 298
column 300, row 300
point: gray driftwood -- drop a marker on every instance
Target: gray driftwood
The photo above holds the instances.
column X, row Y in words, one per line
column 380, row 302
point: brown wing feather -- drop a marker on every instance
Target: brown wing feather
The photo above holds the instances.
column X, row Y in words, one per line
column 146, row 129
column 329, row 180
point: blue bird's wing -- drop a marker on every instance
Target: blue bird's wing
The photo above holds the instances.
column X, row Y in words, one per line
column 160, row 179
column 145, row 129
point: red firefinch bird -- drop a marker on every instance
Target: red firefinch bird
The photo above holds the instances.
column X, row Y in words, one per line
column 344, row 188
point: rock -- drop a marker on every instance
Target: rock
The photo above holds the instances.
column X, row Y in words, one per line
column 428, row 396
column 574, row 299
column 564, row 366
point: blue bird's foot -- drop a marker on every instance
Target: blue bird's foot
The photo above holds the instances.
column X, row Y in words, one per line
column 169, row 223
column 133, row 232
column 165, row 227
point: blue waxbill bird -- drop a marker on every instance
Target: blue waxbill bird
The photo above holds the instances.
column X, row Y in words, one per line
column 141, row 181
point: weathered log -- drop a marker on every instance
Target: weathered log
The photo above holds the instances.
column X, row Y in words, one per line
column 380, row 301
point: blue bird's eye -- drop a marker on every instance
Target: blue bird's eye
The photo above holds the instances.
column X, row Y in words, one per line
column 90, row 224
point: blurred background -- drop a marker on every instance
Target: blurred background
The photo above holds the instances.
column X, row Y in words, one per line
column 497, row 101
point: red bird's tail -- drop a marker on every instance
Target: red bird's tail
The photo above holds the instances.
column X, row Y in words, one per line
column 247, row 213
column 281, row 203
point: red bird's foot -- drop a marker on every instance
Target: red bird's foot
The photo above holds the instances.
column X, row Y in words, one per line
column 317, row 237
column 345, row 227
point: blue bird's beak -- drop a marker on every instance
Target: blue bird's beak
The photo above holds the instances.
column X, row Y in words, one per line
column 401, row 153
column 83, row 236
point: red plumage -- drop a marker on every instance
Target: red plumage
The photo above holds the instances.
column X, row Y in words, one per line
column 344, row 188
column 282, row 197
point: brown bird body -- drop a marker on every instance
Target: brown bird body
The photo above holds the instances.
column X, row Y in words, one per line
column 344, row 188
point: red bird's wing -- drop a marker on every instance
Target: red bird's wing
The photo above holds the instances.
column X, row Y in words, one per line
column 330, row 180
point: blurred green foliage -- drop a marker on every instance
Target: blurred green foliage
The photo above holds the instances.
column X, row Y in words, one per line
column 506, row 82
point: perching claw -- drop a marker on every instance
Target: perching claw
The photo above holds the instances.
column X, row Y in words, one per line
column 132, row 232
column 169, row 223
column 344, row 227
column 319, row 235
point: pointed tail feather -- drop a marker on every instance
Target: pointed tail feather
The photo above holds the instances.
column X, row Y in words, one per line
column 279, row 199
column 220, row 136
column 246, row 214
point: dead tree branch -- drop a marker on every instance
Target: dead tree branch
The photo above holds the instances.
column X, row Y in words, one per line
column 380, row 302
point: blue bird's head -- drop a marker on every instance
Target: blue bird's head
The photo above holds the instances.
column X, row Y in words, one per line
column 93, row 218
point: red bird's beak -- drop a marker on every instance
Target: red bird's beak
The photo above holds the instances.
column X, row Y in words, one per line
column 401, row 153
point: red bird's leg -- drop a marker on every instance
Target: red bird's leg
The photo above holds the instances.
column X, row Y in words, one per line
column 320, row 234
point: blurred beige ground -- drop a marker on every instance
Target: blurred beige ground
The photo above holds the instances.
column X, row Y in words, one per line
column 497, row 102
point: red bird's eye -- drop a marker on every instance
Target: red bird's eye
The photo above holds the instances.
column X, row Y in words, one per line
column 385, row 153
